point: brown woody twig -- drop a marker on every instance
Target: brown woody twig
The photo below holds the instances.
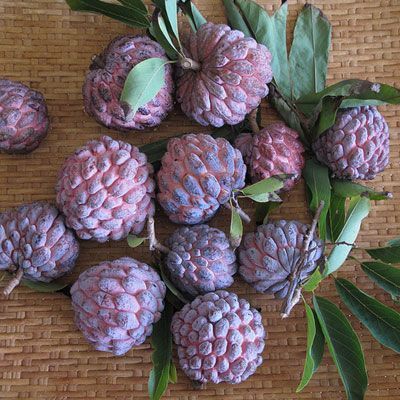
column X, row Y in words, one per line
column 154, row 244
column 294, row 291
column 14, row 282
column 253, row 121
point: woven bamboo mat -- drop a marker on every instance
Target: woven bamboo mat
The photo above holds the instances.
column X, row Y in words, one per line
column 42, row 355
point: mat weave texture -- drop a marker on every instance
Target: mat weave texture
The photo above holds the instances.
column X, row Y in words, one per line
column 42, row 355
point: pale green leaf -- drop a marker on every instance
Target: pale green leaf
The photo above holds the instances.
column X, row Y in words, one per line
column 135, row 241
column 313, row 281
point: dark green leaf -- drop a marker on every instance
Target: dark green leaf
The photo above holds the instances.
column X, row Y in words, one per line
column 263, row 210
column 384, row 275
column 346, row 189
column 389, row 254
column 317, row 180
column 161, row 342
column 308, row 59
column 344, row 347
column 45, row 287
column 193, row 15
column 236, row 229
column 358, row 210
column 143, row 83
column 318, row 346
column 270, row 31
column 380, row 320
column 313, row 281
column 337, row 216
column 136, row 5
column 159, row 31
column 121, row 13
column 325, row 116
column 313, row 349
column 135, row 241
column 235, row 19
column 171, row 11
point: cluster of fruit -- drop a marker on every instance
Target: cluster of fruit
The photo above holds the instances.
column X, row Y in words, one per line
column 106, row 191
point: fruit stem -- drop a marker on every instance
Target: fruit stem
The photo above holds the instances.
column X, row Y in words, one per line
column 154, row 244
column 294, row 292
column 189, row 63
column 14, row 282
column 240, row 211
column 253, row 121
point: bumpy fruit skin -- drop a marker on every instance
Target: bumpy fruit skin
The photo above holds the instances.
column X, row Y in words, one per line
column 220, row 338
column 200, row 259
column 33, row 237
column 274, row 150
column 24, row 120
column 357, row 146
column 105, row 190
column 232, row 79
column 116, row 304
column 268, row 256
column 106, row 78
column 197, row 175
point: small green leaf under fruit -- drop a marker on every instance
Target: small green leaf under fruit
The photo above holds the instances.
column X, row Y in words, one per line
column 390, row 254
column 344, row 347
column 346, row 189
column 143, row 83
column 161, row 342
column 45, row 287
column 317, row 180
column 135, row 241
column 315, row 348
column 313, row 281
column 236, row 229
column 308, row 59
column 384, row 275
column 382, row 322
column 132, row 16
column 358, row 210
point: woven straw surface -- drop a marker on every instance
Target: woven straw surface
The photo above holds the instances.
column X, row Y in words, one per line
column 42, row 354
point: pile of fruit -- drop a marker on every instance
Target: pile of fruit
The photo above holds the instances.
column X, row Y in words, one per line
column 107, row 189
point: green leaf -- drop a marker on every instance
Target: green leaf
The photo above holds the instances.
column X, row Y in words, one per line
column 359, row 209
column 235, row 19
column 159, row 31
column 121, row 13
column 382, row 322
column 236, row 229
column 193, row 15
column 346, row 189
column 45, row 287
column 394, row 242
column 390, row 254
column 171, row 286
column 308, row 59
column 313, row 281
column 173, row 374
column 143, row 83
column 313, row 349
column 268, row 185
column 336, row 216
column 136, row 5
column 171, row 11
column 263, row 210
column 384, row 275
column 317, row 180
column 344, row 347
column 135, row 241
column 318, row 346
column 270, row 31
column 161, row 342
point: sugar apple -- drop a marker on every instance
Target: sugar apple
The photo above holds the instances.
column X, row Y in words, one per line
column 105, row 190
column 197, row 175
column 200, row 259
column 24, row 120
column 274, row 150
column 116, row 304
column 226, row 77
column 357, row 145
column 219, row 338
column 106, row 78
column 34, row 239
column 268, row 256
